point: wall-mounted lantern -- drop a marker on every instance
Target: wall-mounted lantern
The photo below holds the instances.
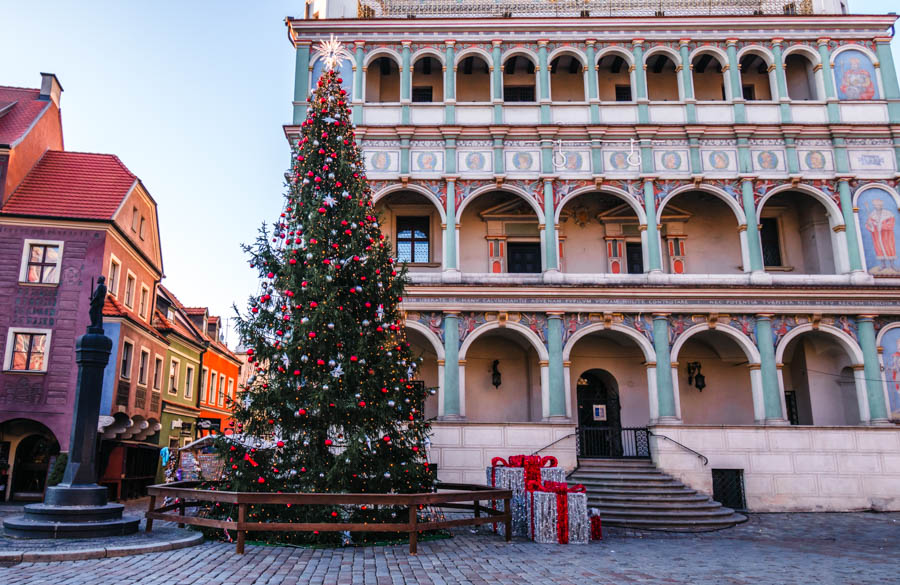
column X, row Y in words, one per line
column 496, row 379
column 695, row 377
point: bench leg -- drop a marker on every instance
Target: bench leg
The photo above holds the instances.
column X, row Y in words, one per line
column 149, row 525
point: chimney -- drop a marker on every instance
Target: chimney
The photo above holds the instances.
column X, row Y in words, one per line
column 50, row 88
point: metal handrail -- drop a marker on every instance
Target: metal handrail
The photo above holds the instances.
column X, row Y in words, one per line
column 555, row 442
column 702, row 457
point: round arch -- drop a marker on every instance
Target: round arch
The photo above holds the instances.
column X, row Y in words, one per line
column 568, row 51
column 847, row 342
column 718, row 54
column 806, row 51
column 627, row 56
column 383, row 52
column 625, row 197
column 428, row 334
column 759, row 51
column 506, row 189
column 880, row 337
column 750, row 350
column 642, row 342
column 883, row 186
column 395, row 187
column 527, row 333
column 519, row 51
column 473, row 52
column 427, row 52
column 725, row 197
column 835, row 216
column 853, row 47
column 671, row 54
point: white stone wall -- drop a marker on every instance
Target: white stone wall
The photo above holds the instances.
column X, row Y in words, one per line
column 816, row 469
column 462, row 449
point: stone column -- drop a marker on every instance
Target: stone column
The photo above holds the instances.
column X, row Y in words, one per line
column 734, row 81
column 888, row 77
column 404, row 154
column 557, row 406
column 359, row 90
column 834, row 113
column 754, row 250
column 550, row 247
column 497, row 80
column 784, row 99
column 405, row 82
column 593, row 92
column 853, row 253
column 449, row 82
column 544, row 81
column 878, row 412
column 450, row 255
column 640, row 80
column 773, row 399
column 301, row 81
column 654, row 263
column 687, row 81
column 668, row 412
column 450, row 404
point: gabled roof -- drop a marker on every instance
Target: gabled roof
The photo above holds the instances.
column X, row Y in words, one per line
column 113, row 308
column 77, row 185
column 23, row 107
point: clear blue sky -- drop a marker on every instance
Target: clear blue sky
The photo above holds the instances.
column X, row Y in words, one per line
column 192, row 96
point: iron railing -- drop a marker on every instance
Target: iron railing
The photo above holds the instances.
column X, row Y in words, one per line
column 702, row 457
column 615, row 442
column 583, row 8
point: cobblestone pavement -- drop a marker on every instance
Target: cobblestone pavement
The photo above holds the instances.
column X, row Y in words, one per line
column 778, row 549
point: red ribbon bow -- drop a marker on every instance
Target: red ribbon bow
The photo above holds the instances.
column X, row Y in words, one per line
column 531, row 463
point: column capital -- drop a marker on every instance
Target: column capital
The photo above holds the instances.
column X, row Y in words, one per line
column 496, row 42
column 731, row 42
column 765, row 316
column 683, row 42
column 592, row 42
column 661, row 315
column 777, row 41
column 543, row 42
column 441, row 362
column 543, row 363
column 555, row 314
column 823, row 41
column 637, row 42
column 359, row 44
column 451, row 313
column 406, row 44
column 649, row 364
column 866, row 317
column 449, row 42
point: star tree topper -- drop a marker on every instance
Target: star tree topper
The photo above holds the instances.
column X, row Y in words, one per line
column 333, row 53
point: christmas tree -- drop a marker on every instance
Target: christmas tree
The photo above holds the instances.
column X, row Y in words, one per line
column 331, row 406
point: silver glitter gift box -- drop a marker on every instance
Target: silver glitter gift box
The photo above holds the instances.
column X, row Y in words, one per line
column 541, row 522
column 513, row 478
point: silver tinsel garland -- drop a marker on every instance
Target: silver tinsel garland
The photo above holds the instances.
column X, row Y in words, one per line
column 513, row 478
column 545, row 515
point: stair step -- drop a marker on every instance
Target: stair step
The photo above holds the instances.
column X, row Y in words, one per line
column 674, row 498
column 614, row 469
column 628, row 483
column 677, row 525
column 615, row 462
column 682, row 514
column 629, row 476
column 653, row 493
column 613, row 507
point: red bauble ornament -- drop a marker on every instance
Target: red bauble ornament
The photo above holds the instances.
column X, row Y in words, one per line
column 280, row 443
column 261, row 480
column 327, row 442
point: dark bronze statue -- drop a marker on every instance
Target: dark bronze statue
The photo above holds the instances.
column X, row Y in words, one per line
column 97, row 300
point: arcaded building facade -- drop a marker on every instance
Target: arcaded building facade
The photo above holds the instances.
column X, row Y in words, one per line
column 625, row 224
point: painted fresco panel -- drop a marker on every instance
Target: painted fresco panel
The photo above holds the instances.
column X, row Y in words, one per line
column 382, row 161
column 572, row 161
column 871, row 160
column 880, row 227
column 523, row 161
column 816, row 160
column 854, row 76
column 768, row 160
column 672, row 161
column 475, row 161
column 617, row 161
column 891, row 344
column 427, row 161
column 719, row 161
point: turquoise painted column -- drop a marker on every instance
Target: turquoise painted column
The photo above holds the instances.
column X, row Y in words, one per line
column 874, row 390
column 849, row 224
column 889, row 78
column 696, row 163
column 596, row 154
column 450, row 261
column 734, row 81
column 687, row 81
column 450, row 83
column 544, row 81
column 646, row 156
column 497, row 79
column 793, row 160
column 550, row 249
column 404, row 155
column 653, row 260
column 405, row 82
column 301, row 81
column 665, row 392
column 768, row 369
column 745, row 162
column 640, row 80
column 555, row 366
column 834, row 113
column 784, row 100
column 593, row 90
column 450, row 403
column 499, row 163
column 359, row 91
column 754, row 248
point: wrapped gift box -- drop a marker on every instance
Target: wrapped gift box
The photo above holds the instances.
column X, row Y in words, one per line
column 513, row 478
column 545, row 508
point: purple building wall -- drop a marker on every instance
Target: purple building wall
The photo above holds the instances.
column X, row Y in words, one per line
column 48, row 397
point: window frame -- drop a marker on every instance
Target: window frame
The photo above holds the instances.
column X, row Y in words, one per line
column 134, row 218
column 426, row 219
column 174, row 371
column 205, row 375
column 144, row 302
column 10, row 346
column 785, row 265
column 188, row 382
column 26, row 255
column 220, row 399
column 142, row 377
column 142, row 232
column 129, row 343
column 213, row 390
column 157, row 374
column 230, row 393
column 112, row 284
column 129, row 302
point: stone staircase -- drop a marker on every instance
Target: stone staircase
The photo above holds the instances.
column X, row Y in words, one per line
column 633, row 493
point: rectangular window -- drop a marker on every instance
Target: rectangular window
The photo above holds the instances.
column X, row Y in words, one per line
column 790, row 401
column 27, row 350
column 749, row 92
column 524, row 257
column 134, row 219
column 130, row 282
column 143, row 365
column 770, row 240
column 127, row 351
column 173, row 446
column 174, row 366
column 422, row 94
column 157, row 373
column 231, row 388
column 205, row 387
column 143, row 230
column 112, row 281
column 213, row 387
column 189, row 383
column 41, row 262
column 412, row 239
column 634, row 256
column 623, row 93
column 221, row 398
column 144, row 304
column 518, row 93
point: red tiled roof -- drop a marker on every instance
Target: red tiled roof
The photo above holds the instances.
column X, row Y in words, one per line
column 213, row 319
column 72, row 184
column 113, row 308
column 22, row 115
column 194, row 310
column 164, row 324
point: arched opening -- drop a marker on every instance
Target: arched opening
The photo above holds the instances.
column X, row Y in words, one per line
column 796, row 234
column 727, row 396
column 755, row 84
column 800, row 77
column 345, row 73
column 426, row 372
column 473, row 80
column 27, row 450
column 519, row 79
column 505, row 356
column 413, row 224
column 598, row 413
column 614, row 79
column 427, row 80
column 600, row 233
column 699, row 235
column 819, row 383
column 567, row 79
column 383, row 81
column 662, row 79
column 498, row 233
column 708, row 78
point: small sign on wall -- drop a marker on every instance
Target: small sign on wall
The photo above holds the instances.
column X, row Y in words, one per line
column 600, row 412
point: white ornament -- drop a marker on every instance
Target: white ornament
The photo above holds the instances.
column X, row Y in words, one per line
column 337, row 372
column 329, row 201
column 332, row 52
